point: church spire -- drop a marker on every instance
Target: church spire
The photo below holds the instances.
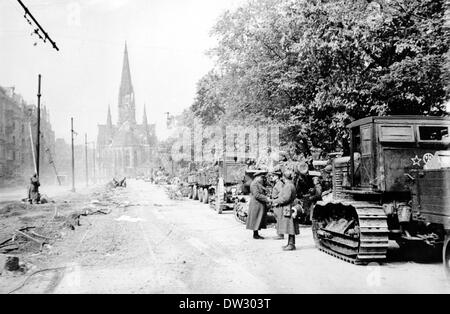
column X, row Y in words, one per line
column 127, row 109
column 126, row 85
column 109, row 118
column 144, row 118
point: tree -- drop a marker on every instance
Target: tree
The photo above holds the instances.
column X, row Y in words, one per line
column 315, row 66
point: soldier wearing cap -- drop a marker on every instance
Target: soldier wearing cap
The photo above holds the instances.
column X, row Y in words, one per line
column 278, row 186
column 257, row 211
column 288, row 223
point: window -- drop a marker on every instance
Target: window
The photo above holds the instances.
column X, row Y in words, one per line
column 433, row 133
column 366, row 140
column 397, row 133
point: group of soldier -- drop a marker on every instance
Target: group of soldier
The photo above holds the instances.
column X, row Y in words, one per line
column 289, row 195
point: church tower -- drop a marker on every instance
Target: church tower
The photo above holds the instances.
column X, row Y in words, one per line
column 127, row 107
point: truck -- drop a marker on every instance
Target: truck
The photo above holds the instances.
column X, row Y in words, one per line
column 217, row 184
column 394, row 186
column 224, row 192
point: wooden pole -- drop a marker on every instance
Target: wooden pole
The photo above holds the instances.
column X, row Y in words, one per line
column 38, row 140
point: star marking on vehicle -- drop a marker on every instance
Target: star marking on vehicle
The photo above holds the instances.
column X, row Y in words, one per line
column 416, row 161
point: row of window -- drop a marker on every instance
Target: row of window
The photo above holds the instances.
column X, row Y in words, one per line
column 406, row 134
column 402, row 134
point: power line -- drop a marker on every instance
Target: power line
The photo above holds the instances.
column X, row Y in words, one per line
column 39, row 28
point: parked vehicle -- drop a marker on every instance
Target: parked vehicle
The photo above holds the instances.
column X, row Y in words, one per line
column 393, row 186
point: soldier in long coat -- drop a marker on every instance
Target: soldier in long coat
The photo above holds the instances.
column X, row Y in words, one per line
column 288, row 224
column 277, row 174
column 257, row 211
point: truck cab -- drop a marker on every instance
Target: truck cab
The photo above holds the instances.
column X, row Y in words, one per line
column 384, row 150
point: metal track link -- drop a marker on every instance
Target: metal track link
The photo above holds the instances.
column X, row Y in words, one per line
column 374, row 234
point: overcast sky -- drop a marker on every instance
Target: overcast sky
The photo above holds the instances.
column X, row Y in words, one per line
column 167, row 40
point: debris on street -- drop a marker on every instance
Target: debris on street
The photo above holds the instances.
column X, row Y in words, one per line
column 174, row 192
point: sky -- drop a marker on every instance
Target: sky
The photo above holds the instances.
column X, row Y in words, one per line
column 167, row 41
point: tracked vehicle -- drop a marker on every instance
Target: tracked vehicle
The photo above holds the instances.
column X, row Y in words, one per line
column 393, row 186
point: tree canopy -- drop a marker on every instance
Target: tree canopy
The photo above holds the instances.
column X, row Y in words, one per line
column 314, row 66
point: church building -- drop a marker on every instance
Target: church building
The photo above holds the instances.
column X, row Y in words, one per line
column 126, row 149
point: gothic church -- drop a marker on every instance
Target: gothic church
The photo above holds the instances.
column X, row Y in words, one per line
column 126, row 149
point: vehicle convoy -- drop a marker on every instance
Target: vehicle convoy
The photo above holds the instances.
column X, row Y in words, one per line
column 395, row 185
column 217, row 184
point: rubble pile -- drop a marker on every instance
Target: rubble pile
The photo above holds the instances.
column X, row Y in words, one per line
column 30, row 229
column 174, row 192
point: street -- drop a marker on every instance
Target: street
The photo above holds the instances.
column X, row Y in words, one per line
column 152, row 244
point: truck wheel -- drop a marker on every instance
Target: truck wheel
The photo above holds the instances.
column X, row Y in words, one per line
column 200, row 195
column 446, row 256
column 191, row 193
column 205, row 196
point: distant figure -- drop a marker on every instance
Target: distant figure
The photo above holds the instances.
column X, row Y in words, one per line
column 33, row 190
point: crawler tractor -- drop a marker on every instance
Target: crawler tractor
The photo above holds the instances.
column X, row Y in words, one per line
column 395, row 185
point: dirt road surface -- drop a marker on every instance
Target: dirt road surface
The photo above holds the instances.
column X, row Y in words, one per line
column 152, row 244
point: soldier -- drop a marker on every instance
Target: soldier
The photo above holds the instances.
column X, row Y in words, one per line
column 277, row 175
column 310, row 199
column 288, row 223
column 257, row 211
column 33, row 190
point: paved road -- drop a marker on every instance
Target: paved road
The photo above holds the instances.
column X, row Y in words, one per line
column 156, row 245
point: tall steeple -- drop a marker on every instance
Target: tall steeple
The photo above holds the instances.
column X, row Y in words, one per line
column 127, row 107
column 144, row 118
column 109, row 118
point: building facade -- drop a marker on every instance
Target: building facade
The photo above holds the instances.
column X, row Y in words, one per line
column 126, row 149
column 18, row 123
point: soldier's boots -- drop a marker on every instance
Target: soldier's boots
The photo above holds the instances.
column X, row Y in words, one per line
column 256, row 236
column 291, row 244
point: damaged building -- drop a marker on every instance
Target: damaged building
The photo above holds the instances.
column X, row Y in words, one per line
column 18, row 123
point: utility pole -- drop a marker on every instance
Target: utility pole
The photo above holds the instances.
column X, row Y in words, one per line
column 86, row 158
column 38, row 140
column 73, row 158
